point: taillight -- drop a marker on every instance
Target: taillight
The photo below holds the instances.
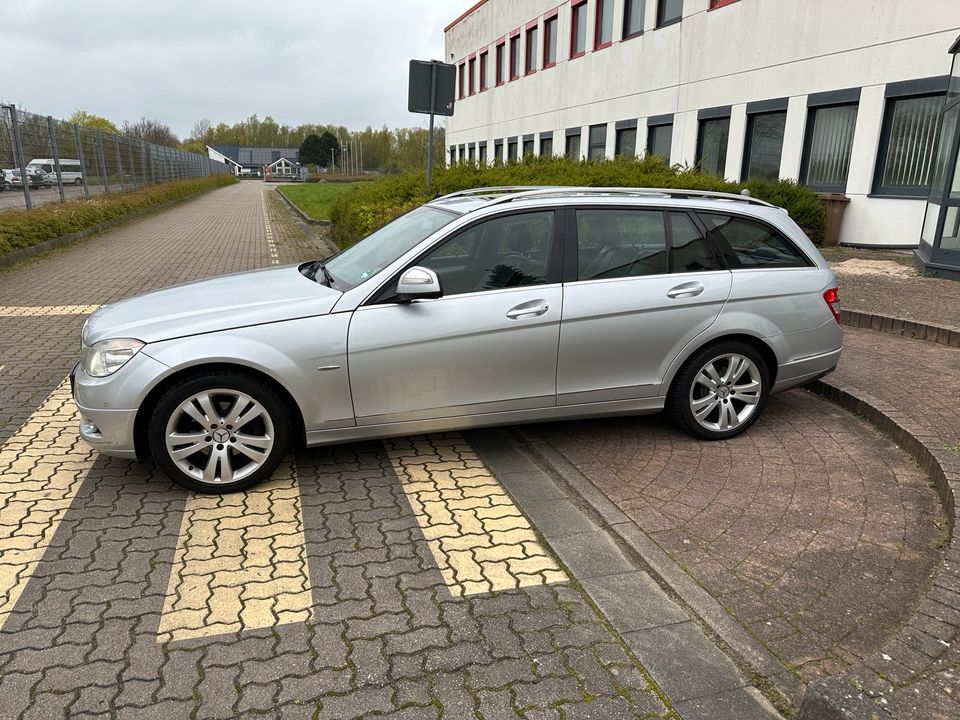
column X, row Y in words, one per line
column 832, row 298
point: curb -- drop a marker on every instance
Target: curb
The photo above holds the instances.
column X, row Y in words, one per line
column 298, row 211
column 938, row 334
column 16, row 256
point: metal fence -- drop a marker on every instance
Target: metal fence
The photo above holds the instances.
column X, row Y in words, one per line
column 69, row 161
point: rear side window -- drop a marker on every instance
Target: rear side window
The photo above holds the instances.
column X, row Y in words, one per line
column 619, row 243
column 748, row 244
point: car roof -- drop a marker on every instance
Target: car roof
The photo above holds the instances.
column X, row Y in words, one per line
column 468, row 201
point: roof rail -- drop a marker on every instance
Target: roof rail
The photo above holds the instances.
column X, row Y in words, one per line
column 475, row 192
column 510, row 194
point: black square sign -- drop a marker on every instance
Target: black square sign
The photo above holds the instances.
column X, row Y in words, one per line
column 432, row 81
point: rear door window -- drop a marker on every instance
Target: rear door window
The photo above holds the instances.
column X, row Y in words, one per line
column 747, row 244
column 689, row 252
column 617, row 243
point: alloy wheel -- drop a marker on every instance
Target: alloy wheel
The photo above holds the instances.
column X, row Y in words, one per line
column 726, row 392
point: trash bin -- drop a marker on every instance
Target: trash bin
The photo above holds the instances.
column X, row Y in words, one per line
column 834, row 204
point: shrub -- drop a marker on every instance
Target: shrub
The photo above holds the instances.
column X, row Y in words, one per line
column 368, row 207
column 26, row 228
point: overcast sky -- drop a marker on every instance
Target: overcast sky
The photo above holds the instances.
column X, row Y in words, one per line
column 323, row 61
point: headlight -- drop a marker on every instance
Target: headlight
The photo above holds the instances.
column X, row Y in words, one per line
column 107, row 356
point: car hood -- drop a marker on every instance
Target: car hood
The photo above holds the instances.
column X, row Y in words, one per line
column 223, row 303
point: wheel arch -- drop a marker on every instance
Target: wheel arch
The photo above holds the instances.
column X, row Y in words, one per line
column 765, row 349
column 153, row 396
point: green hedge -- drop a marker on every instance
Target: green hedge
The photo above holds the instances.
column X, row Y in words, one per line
column 368, row 207
column 26, row 228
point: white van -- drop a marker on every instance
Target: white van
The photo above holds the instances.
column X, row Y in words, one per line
column 70, row 170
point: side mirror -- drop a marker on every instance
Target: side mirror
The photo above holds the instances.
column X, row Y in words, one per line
column 419, row 283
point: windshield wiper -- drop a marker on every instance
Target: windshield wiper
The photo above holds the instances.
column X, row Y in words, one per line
column 318, row 266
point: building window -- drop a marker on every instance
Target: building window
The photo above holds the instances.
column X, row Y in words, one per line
column 761, row 157
column 550, row 42
column 515, row 57
column 573, row 146
column 453, row 155
column 712, row 145
column 482, row 153
column 578, row 30
column 512, row 150
column 669, row 11
column 498, row 151
column 532, row 47
column 546, row 146
column 463, row 153
column 501, row 52
column 627, row 142
column 829, row 142
column 660, row 141
column 484, row 57
column 528, row 147
column 633, row 18
column 603, row 31
column 472, row 72
column 911, row 126
column 472, row 152
column 462, row 70
column 597, row 149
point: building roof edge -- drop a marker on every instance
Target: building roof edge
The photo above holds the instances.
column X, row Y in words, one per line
column 467, row 14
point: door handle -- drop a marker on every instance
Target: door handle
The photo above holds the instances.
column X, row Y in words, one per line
column 687, row 290
column 529, row 309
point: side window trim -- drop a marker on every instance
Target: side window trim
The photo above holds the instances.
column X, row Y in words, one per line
column 385, row 295
column 705, row 236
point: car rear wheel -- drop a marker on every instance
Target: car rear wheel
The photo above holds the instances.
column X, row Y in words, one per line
column 219, row 432
column 78, row 181
column 720, row 391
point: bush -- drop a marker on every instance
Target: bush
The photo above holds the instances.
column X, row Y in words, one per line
column 26, row 228
column 368, row 207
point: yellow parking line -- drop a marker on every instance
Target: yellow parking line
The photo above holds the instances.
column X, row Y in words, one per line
column 240, row 562
column 481, row 541
column 42, row 466
column 42, row 310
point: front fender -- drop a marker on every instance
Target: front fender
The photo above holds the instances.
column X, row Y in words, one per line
column 308, row 357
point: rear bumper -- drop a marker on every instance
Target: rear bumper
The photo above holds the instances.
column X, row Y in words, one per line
column 799, row 372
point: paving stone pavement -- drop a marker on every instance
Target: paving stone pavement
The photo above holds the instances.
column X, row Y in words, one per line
column 814, row 531
column 320, row 595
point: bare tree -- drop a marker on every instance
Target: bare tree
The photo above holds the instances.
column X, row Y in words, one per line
column 152, row 131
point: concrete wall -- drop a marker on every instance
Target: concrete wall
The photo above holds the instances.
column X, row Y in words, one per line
column 747, row 51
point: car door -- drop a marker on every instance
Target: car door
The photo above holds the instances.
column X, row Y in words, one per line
column 489, row 344
column 641, row 284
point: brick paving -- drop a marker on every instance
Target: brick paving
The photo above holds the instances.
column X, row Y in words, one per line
column 790, row 526
column 320, row 595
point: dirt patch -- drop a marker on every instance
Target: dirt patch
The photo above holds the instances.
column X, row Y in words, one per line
column 859, row 266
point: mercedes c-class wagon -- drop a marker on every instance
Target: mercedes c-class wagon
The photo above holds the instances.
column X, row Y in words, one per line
column 486, row 307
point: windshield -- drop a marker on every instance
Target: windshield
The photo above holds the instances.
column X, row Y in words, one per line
column 376, row 251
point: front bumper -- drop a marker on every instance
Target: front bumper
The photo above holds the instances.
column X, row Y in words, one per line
column 109, row 406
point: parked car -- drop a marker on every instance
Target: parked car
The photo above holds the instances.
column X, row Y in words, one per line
column 37, row 178
column 484, row 307
column 70, row 170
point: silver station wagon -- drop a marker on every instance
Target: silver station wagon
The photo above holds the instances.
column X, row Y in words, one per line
column 486, row 307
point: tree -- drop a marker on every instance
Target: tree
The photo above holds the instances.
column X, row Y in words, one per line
column 329, row 148
column 152, row 131
column 85, row 119
column 311, row 151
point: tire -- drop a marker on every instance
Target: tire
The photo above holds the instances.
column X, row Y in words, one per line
column 708, row 403
column 220, row 456
column 78, row 181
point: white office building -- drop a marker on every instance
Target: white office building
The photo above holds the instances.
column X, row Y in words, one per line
column 845, row 96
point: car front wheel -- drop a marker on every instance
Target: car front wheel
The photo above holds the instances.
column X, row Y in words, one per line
column 720, row 391
column 219, row 432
